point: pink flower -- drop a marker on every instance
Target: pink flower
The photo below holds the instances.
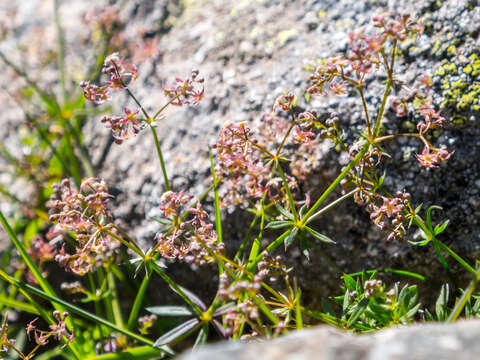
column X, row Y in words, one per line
column 285, row 101
column 186, row 92
column 431, row 157
column 96, row 94
column 121, row 73
column 123, row 127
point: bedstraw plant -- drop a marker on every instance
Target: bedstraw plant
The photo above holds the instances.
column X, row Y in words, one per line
column 253, row 168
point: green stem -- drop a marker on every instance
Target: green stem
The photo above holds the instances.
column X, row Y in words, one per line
column 218, row 215
column 278, row 241
column 136, row 353
column 365, row 109
column 331, row 205
column 258, row 240
column 160, row 156
column 138, row 300
column 114, row 299
column 456, row 257
column 457, row 310
column 175, row 287
column 72, row 347
column 165, row 106
column 382, row 109
column 85, row 314
column 60, row 50
column 131, row 245
column 335, row 183
column 291, row 202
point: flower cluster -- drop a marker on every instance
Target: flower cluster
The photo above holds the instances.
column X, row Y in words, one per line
column 194, row 240
column 123, row 127
column 84, row 214
column 40, row 250
column 395, row 26
column 120, row 72
column 364, row 56
column 240, row 163
column 271, row 267
column 234, row 291
column 389, row 215
column 187, row 91
column 146, row 322
column 285, row 102
column 431, row 119
column 57, row 331
column 372, row 287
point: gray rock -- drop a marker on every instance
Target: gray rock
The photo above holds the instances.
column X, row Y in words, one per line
column 457, row 341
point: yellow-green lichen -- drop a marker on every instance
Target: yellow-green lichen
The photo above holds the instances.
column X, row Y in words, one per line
column 461, row 88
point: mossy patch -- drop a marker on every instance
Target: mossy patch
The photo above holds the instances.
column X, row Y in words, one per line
column 460, row 84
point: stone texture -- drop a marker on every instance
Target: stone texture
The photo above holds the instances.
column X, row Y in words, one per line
column 458, row 341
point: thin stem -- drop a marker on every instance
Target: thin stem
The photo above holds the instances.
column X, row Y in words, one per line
column 164, row 107
column 331, row 205
column 130, row 93
column 160, row 157
column 382, row 109
column 292, row 125
column 154, row 133
column 291, row 202
column 258, row 240
column 365, row 109
column 218, row 215
column 134, row 248
column 456, row 257
column 391, row 137
column 335, row 183
column 393, row 58
column 60, row 50
column 175, row 287
column 459, row 306
column 139, row 300
column 114, row 300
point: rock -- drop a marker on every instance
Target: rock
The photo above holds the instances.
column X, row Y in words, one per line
column 457, row 341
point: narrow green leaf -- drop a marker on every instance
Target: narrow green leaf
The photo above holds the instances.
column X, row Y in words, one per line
column 350, row 282
column 429, row 216
column 201, row 337
column 440, row 227
column 284, row 212
column 278, row 224
column 442, row 302
column 176, row 333
column 170, row 310
column 291, row 238
column 304, row 246
column 133, row 353
column 224, row 308
column 359, row 309
column 319, row 236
